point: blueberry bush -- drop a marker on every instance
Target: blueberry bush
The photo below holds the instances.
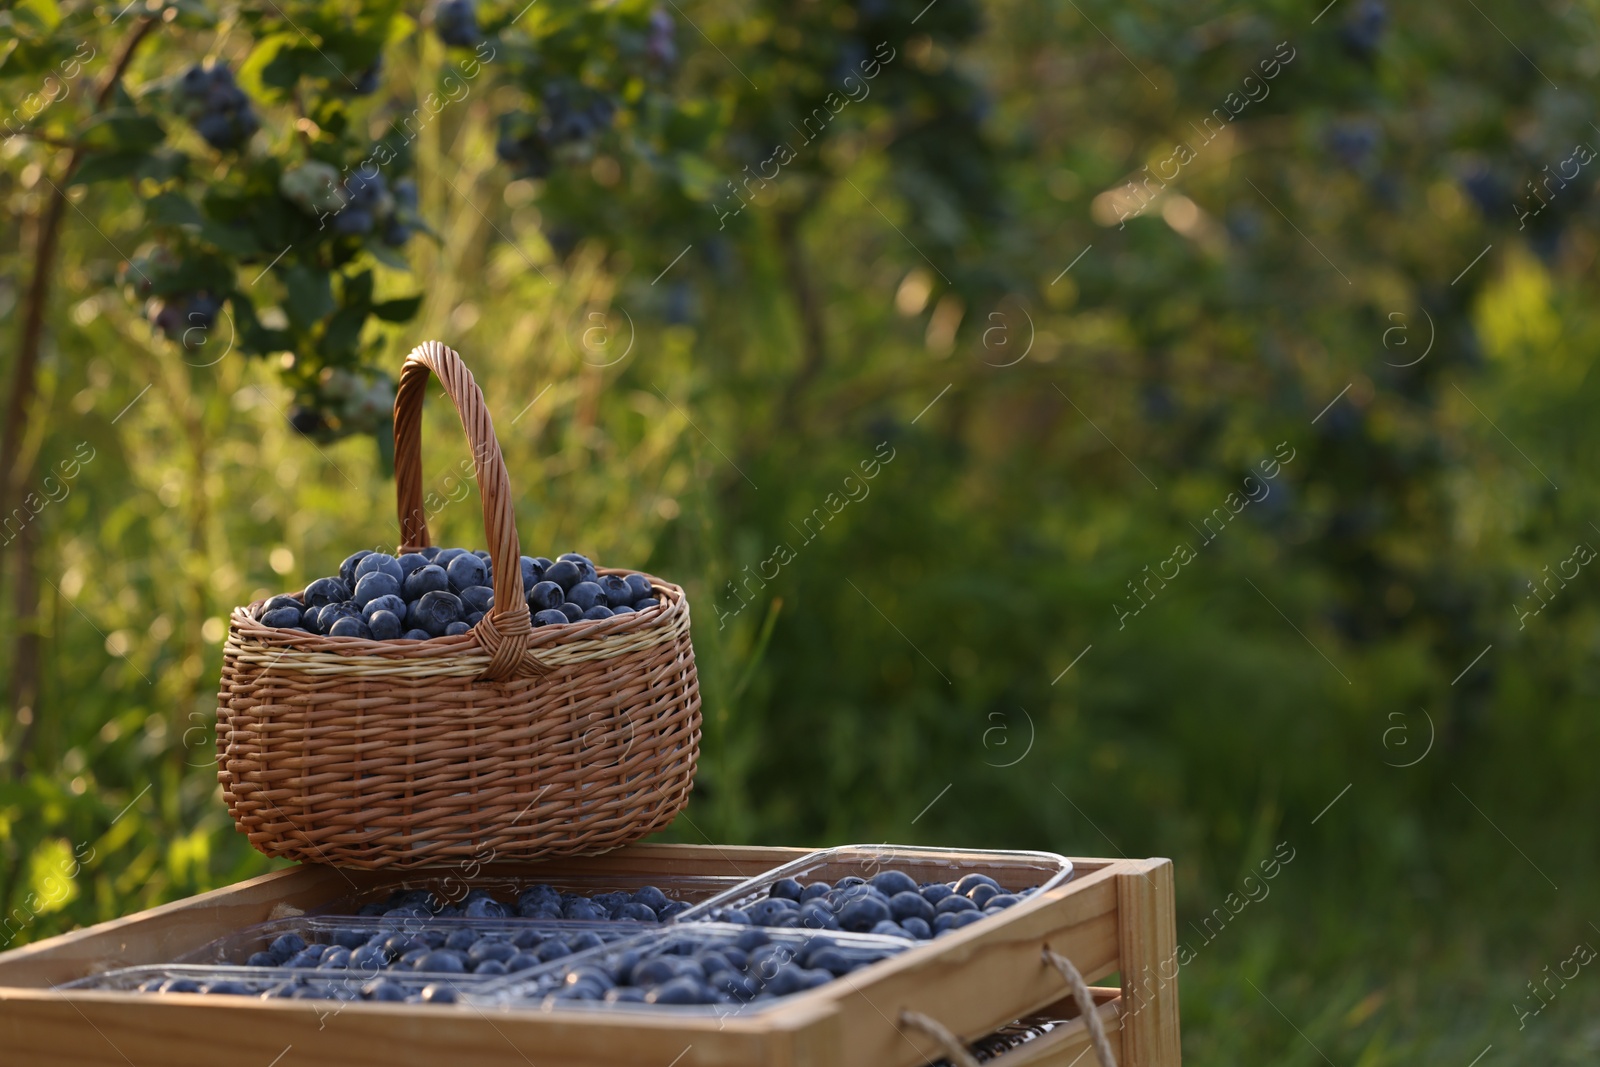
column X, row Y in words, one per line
column 1101, row 427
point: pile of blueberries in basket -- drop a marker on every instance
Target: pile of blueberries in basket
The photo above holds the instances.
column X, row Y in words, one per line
column 890, row 903
column 443, row 592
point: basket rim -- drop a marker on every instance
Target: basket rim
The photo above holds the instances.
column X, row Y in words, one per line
column 245, row 628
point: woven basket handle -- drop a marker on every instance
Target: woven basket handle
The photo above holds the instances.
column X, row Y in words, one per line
column 504, row 631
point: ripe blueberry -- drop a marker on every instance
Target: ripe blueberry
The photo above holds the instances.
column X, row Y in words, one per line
column 281, row 617
column 564, row 573
column 347, row 569
column 427, row 579
column 586, row 595
column 392, row 604
column 891, row 882
column 465, row 571
column 477, row 598
column 380, row 561
column 646, row 604
column 549, row 618
column 415, row 635
column 543, row 595
column 640, row 586
column 326, row 591
column 375, row 584
column 456, row 629
column 618, row 592
column 599, row 611
column 571, row 611
column 350, row 626
column 384, row 625
column 434, row 612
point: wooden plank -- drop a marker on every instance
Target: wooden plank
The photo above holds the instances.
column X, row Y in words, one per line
column 182, row 1030
column 979, row 978
column 1149, row 950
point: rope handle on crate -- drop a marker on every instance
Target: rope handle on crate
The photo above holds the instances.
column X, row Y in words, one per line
column 1086, row 1008
column 504, row 631
column 961, row 1056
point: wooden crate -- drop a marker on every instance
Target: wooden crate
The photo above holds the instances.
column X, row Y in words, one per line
column 1114, row 916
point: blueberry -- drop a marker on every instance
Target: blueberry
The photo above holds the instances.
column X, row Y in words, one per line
column 336, row 958
column 650, row 897
column 788, row 979
column 371, row 586
column 564, row 573
column 438, row 993
column 814, row 890
column 968, row 881
column 347, row 569
column 180, row 985
column 350, row 627
column 750, row 940
column 816, row 915
column 786, row 889
column 392, row 604
column 384, row 989
column 599, row 611
column 571, row 611
column 380, row 561
column 287, row 946
column 682, row 990
column 532, row 573
column 865, row 912
column 369, row 959
column 434, row 612
column 618, row 592
column 429, row 552
column 351, row 939
column 325, row 591
column 982, row 894
column 1000, row 901
column 486, row 909
column 491, row 949
column 442, row 961
column 635, row 912
column 933, row 894
column 586, row 595
column 956, row 920
column 917, row 928
column 456, row 23
column 891, row 882
column 544, row 595
column 890, row 928
column 411, row 561
column 623, row 610
column 766, row 912
column 910, row 905
column 952, row 904
column 477, row 598
column 229, row 987
column 445, row 555
column 429, row 579
column 262, row 959
column 550, row 618
column 646, row 604
column 640, row 585
column 308, row 620
column 456, row 629
column 282, row 600
column 281, row 617
column 554, row 949
column 415, row 635
column 583, row 909
column 465, row 571
column 522, row 961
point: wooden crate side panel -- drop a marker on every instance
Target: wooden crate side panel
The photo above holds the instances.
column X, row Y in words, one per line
column 1068, row 1045
column 975, row 981
column 101, row 1030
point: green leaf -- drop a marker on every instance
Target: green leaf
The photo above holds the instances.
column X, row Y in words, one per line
column 229, row 239
column 252, row 77
column 122, row 130
column 344, row 330
column 163, row 165
column 401, row 310
column 103, row 166
column 389, row 258
column 45, row 12
column 310, row 295
column 358, row 290
column 171, row 209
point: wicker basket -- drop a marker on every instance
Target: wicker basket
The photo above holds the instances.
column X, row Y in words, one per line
column 506, row 742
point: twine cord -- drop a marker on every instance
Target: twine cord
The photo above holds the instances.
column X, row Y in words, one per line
column 1086, row 1007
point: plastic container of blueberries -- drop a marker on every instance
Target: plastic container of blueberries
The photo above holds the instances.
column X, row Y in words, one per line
column 236, row 948
column 1020, row 873
column 453, row 888
column 330, row 985
column 528, row 990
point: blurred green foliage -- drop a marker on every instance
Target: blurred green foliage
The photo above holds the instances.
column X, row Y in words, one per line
column 986, row 269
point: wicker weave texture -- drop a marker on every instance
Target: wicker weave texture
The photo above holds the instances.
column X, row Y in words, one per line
column 503, row 743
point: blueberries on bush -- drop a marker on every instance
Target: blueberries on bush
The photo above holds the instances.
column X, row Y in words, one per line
column 218, row 109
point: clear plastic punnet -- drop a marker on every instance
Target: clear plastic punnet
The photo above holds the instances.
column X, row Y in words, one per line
column 447, row 947
column 454, row 890
column 1018, row 874
column 707, row 968
column 268, row 983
